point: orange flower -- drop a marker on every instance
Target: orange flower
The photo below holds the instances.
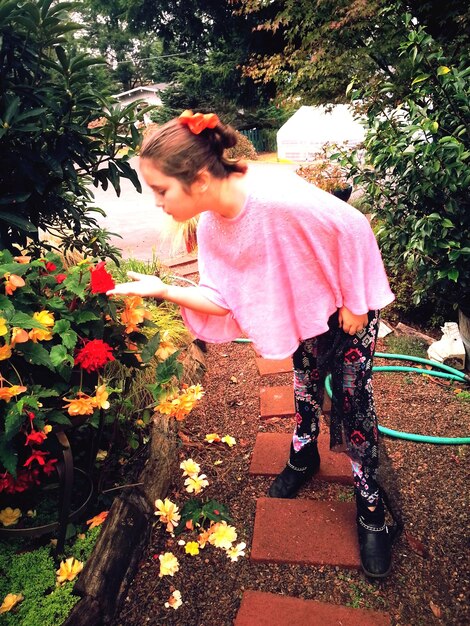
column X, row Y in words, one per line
column 134, row 313
column 82, row 405
column 12, row 283
column 18, row 335
column 22, row 259
column 98, row 519
column 197, row 122
column 5, row 352
column 101, row 397
column 7, row 393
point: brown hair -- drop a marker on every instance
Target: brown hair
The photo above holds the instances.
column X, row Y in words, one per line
column 178, row 152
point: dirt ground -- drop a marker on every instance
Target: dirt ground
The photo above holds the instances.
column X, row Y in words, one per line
column 427, row 483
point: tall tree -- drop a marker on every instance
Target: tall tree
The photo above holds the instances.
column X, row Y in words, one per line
column 322, row 44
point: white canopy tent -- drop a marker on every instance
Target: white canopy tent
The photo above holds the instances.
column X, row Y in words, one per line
column 304, row 134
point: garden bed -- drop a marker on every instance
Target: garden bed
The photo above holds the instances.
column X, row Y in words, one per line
column 427, row 483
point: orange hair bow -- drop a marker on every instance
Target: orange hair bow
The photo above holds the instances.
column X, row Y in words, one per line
column 197, row 122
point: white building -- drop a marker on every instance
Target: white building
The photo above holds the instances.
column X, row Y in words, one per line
column 149, row 93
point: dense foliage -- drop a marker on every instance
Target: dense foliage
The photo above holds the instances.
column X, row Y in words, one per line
column 50, row 151
column 417, row 165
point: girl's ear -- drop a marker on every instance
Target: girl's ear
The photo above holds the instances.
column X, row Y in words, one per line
column 201, row 182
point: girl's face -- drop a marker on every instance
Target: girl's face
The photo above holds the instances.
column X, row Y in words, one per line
column 170, row 195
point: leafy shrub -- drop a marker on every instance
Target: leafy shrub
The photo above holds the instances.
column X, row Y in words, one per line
column 417, row 156
column 50, row 147
column 58, row 331
column 243, row 149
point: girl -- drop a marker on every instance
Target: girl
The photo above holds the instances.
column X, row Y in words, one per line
column 297, row 271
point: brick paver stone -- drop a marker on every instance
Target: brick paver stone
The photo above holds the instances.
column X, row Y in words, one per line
column 276, row 401
column 272, row 450
column 308, row 532
column 270, row 609
column 274, row 366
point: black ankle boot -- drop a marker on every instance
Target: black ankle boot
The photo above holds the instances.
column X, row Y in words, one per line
column 290, row 480
column 375, row 540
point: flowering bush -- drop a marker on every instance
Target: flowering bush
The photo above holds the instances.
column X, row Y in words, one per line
column 58, row 332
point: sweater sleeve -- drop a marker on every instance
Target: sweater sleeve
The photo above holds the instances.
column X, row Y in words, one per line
column 211, row 328
column 361, row 275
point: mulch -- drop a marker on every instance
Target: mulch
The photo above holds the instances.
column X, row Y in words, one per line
column 428, row 485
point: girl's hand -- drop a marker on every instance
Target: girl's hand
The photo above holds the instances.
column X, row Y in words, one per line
column 144, row 285
column 351, row 323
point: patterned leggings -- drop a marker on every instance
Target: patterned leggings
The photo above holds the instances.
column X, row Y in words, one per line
column 353, row 426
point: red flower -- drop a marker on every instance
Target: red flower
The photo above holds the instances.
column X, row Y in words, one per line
column 101, row 280
column 35, row 438
column 49, row 468
column 38, row 456
column 60, row 278
column 24, row 480
column 94, row 354
column 50, row 266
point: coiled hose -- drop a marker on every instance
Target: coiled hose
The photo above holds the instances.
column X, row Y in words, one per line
column 443, row 371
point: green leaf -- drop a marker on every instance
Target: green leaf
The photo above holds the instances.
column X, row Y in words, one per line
column 35, row 353
column 69, row 339
column 22, row 320
column 86, row 316
column 442, row 69
column 453, row 275
column 168, row 369
column 420, row 79
column 56, row 417
column 19, row 222
column 150, row 348
column 59, row 354
column 8, row 457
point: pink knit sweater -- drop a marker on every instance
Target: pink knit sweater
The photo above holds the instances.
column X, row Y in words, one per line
column 292, row 257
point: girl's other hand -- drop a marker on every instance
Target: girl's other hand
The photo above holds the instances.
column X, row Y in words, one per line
column 350, row 322
column 144, row 285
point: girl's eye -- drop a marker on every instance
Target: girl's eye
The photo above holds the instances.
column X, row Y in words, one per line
column 160, row 192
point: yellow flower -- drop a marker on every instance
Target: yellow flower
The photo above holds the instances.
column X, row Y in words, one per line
column 7, row 393
column 235, row 552
column 230, row 441
column 46, row 318
column 3, row 326
column 168, row 564
column 5, row 352
column 174, row 601
column 68, row 570
column 168, row 513
column 166, row 347
column 47, row 429
column 196, row 483
column 190, row 467
column 11, row 600
column 196, row 391
column 83, row 405
column 223, row 535
column 101, row 397
column 9, row 516
column 192, row 548
column 211, row 437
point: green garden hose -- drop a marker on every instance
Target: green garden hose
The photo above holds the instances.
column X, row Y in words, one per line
column 447, row 372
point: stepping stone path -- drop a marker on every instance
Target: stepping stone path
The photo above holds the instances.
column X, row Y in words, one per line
column 183, row 265
column 328, row 532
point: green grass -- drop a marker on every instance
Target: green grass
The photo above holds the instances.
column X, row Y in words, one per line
column 412, row 346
